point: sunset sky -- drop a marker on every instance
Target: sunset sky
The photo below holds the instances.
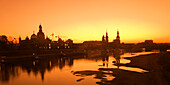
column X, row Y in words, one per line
column 82, row 20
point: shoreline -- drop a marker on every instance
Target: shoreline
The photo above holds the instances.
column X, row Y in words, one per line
column 154, row 63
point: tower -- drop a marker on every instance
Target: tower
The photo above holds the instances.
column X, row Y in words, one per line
column 40, row 34
column 19, row 39
column 107, row 38
column 103, row 40
column 117, row 40
column 118, row 37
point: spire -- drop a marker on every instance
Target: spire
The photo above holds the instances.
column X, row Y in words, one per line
column 19, row 39
column 107, row 40
column 40, row 28
column 103, row 38
column 117, row 35
column 117, row 32
column 106, row 32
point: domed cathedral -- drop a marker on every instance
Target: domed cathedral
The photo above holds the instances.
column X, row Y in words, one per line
column 42, row 43
column 36, row 41
column 33, row 36
column 40, row 34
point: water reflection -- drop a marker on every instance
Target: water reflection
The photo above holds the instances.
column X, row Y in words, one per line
column 104, row 68
column 7, row 72
column 104, row 77
column 105, row 60
column 107, row 75
column 116, row 55
column 11, row 69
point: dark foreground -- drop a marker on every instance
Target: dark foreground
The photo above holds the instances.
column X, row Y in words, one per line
column 158, row 66
column 150, row 69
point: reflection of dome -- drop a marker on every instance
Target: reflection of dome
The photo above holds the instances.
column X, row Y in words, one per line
column 40, row 34
column 33, row 36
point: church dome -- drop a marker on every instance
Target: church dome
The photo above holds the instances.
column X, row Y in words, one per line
column 40, row 34
column 33, row 36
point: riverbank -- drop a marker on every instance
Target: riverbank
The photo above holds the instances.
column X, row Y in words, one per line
column 157, row 64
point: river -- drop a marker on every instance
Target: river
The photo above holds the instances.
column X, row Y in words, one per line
column 75, row 70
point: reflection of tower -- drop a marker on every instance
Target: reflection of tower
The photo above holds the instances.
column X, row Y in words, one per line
column 105, row 59
column 116, row 55
column 42, row 74
column 70, row 61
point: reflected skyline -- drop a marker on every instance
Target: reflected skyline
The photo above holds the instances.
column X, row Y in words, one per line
column 84, row 42
column 12, row 69
column 43, row 66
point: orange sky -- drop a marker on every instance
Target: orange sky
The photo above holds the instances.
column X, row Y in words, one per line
column 82, row 20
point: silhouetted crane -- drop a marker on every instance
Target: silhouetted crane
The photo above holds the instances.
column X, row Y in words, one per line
column 57, row 36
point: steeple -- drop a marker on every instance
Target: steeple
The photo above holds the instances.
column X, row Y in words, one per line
column 118, row 37
column 103, row 38
column 19, row 39
column 117, row 40
column 40, row 34
column 107, row 38
column 40, row 28
column 106, row 32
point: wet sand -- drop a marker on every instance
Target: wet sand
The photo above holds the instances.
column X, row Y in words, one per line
column 157, row 64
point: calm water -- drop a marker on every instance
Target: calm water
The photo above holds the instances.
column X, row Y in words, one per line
column 75, row 70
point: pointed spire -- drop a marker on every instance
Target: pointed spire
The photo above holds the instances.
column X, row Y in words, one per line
column 40, row 28
column 103, row 38
column 107, row 40
column 106, row 32
column 117, row 31
column 19, row 38
column 118, row 37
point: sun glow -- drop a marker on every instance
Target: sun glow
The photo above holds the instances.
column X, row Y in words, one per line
column 83, row 20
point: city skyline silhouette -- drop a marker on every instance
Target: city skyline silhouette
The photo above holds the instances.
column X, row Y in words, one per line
column 87, row 20
column 84, row 42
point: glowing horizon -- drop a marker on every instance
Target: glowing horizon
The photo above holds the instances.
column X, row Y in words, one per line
column 82, row 20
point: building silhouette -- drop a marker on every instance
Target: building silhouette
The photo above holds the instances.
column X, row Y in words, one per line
column 5, row 44
column 117, row 40
column 36, row 41
column 105, row 39
column 40, row 42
